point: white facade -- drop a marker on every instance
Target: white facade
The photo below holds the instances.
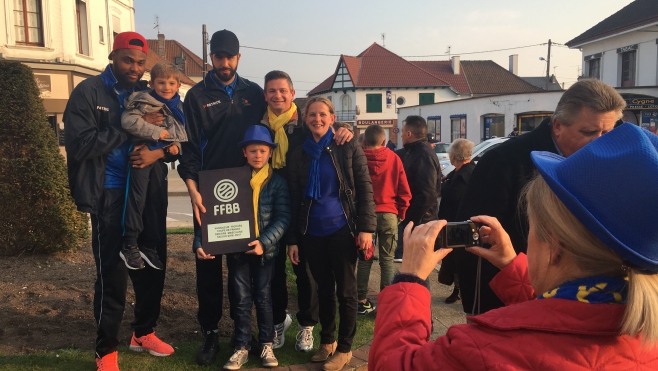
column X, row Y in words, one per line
column 63, row 42
column 611, row 49
column 351, row 105
column 509, row 111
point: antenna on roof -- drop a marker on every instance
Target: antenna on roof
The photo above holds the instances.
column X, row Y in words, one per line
column 157, row 24
column 384, row 40
column 448, row 51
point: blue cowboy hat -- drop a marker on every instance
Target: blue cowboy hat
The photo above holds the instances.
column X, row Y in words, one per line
column 610, row 185
column 257, row 134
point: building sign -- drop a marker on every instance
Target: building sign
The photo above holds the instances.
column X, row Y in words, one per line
column 637, row 101
column 389, row 99
column 649, row 119
column 43, row 83
column 627, row 48
column 390, row 122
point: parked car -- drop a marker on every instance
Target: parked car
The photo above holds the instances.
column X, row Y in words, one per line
column 478, row 151
column 441, row 150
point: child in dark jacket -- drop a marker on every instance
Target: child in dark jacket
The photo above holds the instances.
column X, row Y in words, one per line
column 164, row 98
column 250, row 273
column 392, row 196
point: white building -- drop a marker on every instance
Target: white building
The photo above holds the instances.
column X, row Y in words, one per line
column 481, row 118
column 372, row 87
column 622, row 51
column 63, row 41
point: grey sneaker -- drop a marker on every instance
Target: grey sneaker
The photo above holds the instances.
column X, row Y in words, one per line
column 130, row 255
column 267, row 357
column 280, row 335
column 304, row 339
column 150, row 256
column 239, row 358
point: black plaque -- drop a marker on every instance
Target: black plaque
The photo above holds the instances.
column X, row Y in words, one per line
column 228, row 224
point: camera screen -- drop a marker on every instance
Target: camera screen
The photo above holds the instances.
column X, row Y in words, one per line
column 458, row 234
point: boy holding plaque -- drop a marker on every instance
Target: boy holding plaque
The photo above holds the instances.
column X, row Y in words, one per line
column 250, row 273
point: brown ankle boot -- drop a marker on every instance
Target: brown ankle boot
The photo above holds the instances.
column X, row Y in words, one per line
column 338, row 361
column 325, row 351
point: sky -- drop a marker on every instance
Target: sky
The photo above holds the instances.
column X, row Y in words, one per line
column 411, row 28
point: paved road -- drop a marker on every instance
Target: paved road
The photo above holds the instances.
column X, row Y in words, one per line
column 179, row 212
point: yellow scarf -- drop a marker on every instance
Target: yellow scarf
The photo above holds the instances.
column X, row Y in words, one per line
column 277, row 123
column 256, row 182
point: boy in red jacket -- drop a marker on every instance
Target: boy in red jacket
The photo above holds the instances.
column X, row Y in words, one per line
column 392, row 196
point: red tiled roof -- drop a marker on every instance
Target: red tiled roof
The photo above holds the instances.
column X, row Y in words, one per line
column 487, row 77
column 173, row 49
column 152, row 58
column 443, row 70
column 379, row 67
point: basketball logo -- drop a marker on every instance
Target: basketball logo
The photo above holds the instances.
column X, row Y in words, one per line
column 226, row 190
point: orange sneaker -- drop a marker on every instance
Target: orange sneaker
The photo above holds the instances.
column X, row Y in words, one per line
column 109, row 362
column 150, row 343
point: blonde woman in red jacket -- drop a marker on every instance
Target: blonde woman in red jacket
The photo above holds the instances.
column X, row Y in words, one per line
column 584, row 298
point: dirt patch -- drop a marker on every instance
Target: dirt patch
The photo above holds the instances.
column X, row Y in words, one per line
column 46, row 300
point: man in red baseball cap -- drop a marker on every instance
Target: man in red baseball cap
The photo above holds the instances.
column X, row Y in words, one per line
column 97, row 154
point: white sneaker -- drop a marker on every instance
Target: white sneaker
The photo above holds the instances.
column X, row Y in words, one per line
column 280, row 334
column 239, row 358
column 267, row 357
column 304, row 339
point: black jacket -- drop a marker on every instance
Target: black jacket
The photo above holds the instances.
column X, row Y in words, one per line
column 273, row 214
column 494, row 190
column 216, row 123
column 352, row 170
column 424, row 177
column 452, row 191
column 93, row 129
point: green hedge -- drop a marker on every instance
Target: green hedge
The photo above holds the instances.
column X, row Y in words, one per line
column 38, row 214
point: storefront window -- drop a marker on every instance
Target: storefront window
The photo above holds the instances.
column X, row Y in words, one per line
column 528, row 123
column 494, row 126
column 457, row 127
column 434, row 126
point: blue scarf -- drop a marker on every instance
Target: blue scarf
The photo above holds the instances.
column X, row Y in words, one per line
column 593, row 290
column 172, row 104
column 314, row 150
column 111, row 82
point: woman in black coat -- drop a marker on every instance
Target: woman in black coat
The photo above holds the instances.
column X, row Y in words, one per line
column 333, row 211
column 452, row 191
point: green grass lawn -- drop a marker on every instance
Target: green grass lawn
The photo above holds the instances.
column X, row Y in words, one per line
column 183, row 358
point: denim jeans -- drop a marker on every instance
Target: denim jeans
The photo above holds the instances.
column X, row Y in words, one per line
column 249, row 280
column 387, row 237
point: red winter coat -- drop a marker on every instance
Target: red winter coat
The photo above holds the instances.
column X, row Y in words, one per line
column 546, row 334
column 389, row 181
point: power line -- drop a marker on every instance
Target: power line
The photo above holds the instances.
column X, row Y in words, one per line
column 484, row 51
column 404, row 56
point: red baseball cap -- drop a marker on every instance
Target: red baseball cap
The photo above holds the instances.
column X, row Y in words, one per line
column 130, row 40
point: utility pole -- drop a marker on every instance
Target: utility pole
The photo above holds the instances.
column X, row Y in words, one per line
column 548, row 63
column 205, row 50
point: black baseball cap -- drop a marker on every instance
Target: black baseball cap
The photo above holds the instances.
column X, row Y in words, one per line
column 224, row 41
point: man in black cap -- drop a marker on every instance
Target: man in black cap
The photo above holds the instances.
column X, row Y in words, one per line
column 218, row 111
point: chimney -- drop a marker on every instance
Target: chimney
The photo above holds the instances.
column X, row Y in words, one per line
column 161, row 45
column 455, row 65
column 514, row 64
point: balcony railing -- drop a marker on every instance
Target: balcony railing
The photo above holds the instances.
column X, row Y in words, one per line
column 346, row 115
